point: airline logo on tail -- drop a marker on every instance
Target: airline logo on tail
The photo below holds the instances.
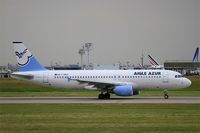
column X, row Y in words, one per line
column 23, row 54
column 26, row 61
column 152, row 61
column 196, row 55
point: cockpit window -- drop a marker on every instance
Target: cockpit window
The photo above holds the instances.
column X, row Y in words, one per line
column 178, row 76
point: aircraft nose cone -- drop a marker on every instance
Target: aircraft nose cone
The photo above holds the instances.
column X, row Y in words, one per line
column 187, row 82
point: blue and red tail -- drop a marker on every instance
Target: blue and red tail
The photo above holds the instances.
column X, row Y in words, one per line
column 196, row 55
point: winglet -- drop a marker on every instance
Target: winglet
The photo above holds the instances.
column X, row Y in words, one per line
column 25, row 59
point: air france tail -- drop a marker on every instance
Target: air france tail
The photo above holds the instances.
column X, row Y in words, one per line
column 153, row 61
column 25, row 59
column 196, row 56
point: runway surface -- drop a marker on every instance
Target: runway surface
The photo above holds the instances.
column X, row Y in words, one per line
column 186, row 100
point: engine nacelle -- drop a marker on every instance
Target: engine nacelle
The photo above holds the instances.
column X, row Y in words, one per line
column 125, row 90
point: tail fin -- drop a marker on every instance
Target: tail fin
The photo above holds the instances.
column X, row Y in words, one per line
column 196, row 55
column 152, row 61
column 25, row 59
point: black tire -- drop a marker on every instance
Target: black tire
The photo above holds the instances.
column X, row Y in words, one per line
column 107, row 96
column 101, row 96
column 166, row 96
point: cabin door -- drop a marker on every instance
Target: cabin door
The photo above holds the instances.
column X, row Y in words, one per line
column 165, row 77
column 45, row 77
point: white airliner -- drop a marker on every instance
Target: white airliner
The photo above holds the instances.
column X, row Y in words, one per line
column 119, row 82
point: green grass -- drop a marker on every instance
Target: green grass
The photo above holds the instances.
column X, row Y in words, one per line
column 13, row 87
column 99, row 118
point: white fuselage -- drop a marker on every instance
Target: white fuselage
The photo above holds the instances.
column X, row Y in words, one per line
column 139, row 79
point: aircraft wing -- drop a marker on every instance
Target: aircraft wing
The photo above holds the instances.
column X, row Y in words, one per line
column 99, row 84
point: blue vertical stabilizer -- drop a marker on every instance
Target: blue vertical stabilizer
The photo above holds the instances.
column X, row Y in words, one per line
column 25, row 59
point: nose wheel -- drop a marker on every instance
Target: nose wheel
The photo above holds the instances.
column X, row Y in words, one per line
column 166, row 96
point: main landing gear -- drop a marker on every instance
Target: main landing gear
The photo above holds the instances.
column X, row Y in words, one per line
column 104, row 96
column 166, row 96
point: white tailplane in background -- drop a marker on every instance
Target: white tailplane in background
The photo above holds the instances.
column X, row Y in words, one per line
column 154, row 63
column 119, row 82
column 196, row 56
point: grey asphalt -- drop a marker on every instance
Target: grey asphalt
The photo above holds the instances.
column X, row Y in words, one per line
column 171, row 100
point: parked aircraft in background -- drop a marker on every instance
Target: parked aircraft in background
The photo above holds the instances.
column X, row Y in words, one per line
column 154, row 63
column 196, row 56
column 119, row 82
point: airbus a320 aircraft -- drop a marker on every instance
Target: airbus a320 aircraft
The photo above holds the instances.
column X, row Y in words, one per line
column 119, row 82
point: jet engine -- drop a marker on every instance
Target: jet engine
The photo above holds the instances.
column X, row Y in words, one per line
column 125, row 90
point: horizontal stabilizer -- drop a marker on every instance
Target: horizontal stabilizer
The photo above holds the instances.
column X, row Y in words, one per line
column 22, row 76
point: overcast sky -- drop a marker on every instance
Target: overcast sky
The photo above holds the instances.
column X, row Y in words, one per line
column 120, row 30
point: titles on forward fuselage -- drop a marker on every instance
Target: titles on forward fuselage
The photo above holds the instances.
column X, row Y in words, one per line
column 147, row 73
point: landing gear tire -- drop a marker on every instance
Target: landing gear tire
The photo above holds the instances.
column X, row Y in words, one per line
column 107, row 96
column 101, row 96
column 104, row 96
column 166, row 96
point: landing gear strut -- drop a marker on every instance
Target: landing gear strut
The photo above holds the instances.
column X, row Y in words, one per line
column 104, row 96
column 166, row 96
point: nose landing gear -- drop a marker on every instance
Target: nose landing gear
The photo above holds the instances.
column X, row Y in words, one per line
column 166, row 96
